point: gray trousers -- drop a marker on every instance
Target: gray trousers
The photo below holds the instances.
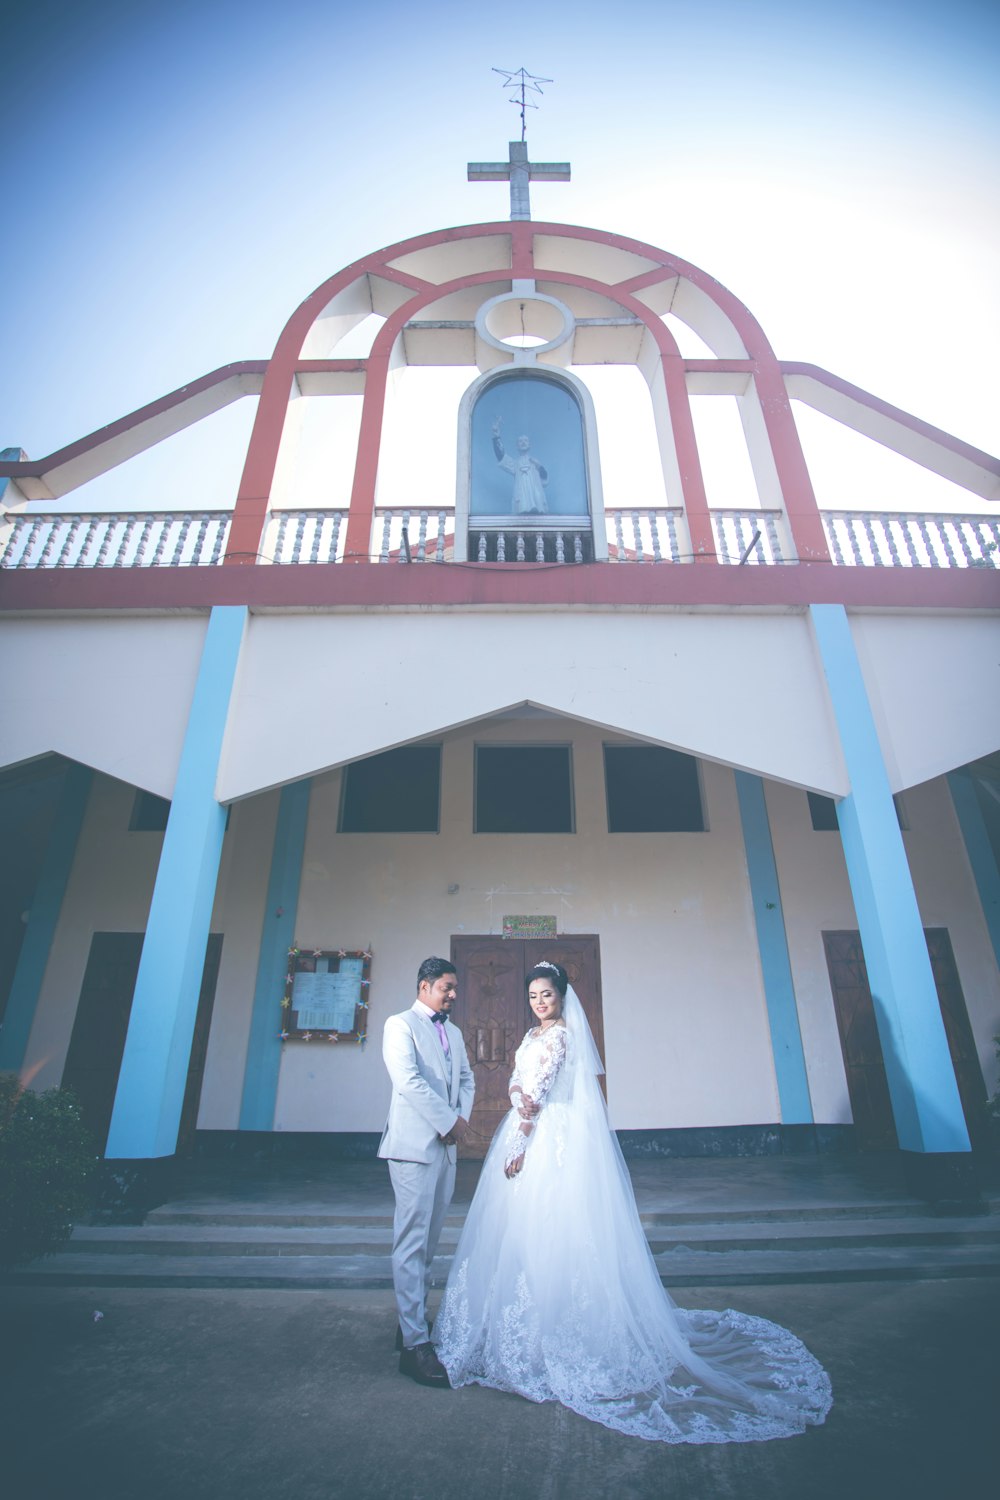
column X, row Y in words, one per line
column 423, row 1193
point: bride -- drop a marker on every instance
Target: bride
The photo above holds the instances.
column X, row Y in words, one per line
column 554, row 1294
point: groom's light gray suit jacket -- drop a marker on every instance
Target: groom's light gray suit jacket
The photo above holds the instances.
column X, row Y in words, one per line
column 428, row 1089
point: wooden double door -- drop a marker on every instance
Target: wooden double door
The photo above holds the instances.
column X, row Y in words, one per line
column 492, row 1012
column 859, row 1040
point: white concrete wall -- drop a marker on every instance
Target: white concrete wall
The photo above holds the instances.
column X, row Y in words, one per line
column 680, row 974
column 110, row 889
column 743, row 689
column 746, row 690
column 934, row 685
column 685, row 1020
column 113, row 694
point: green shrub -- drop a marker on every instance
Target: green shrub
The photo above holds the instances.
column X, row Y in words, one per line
column 47, row 1159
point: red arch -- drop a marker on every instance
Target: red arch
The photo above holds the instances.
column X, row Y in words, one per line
column 369, row 438
column 253, row 499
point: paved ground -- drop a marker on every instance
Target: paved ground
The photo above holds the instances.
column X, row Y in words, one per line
column 294, row 1395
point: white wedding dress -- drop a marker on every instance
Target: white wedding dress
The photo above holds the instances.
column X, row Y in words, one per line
column 554, row 1294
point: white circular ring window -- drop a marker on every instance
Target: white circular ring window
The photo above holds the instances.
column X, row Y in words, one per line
column 515, row 321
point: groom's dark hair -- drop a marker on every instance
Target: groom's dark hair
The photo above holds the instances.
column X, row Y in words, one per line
column 433, row 968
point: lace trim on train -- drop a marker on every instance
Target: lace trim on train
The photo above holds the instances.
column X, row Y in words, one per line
column 624, row 1386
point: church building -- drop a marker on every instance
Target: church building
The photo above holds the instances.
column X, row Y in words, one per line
column 738, row 769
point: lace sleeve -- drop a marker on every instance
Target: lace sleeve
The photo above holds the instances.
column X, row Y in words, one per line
column 554, row 1055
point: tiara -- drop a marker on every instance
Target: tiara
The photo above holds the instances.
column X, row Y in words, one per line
column 543, row 963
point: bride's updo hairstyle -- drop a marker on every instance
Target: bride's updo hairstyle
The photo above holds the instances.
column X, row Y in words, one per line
column 545, row 970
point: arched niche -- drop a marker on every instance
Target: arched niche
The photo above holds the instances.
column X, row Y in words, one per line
column 528, row 461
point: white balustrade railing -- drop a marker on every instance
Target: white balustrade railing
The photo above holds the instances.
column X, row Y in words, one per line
column 148, row 539
column 884, row 539
column 143, row 539
column 748, row 537
column 409, row 534
column 644, row 534
column 304, row 536
column 532, row 544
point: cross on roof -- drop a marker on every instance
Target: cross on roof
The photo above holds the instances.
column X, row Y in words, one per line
column 518, row 171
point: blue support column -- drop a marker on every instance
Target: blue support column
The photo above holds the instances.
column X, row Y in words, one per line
column 980, row 850
column 925, row 1099
column 44, row 917
column 158, row 1046
column 260, row 1081
column 779, row 991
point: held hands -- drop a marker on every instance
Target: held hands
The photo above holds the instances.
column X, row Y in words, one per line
column 456, row 1133
column 527, row 1108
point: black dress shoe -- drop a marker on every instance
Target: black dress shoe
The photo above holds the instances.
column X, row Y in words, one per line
column 399, row 1335
column 423, row 1366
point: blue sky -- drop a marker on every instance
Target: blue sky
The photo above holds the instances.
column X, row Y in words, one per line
column 178, row 177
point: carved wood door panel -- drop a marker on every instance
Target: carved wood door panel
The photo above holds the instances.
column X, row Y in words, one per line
column 493, row 1014
column 491, row 1017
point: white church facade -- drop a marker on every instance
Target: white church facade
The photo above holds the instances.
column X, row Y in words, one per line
column 739, row 769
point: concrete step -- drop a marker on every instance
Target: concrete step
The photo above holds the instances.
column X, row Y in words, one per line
column 375, row 1237
column 680, row 1267
column 321, row 1215
column 207, row 1249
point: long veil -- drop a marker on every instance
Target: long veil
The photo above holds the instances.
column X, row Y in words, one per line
column 554, row 1293
column 582, row 1056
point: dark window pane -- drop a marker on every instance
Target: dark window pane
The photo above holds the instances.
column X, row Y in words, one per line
column 523, row 789
column 652, row 790
column 823, row 811
column 396, row 792
column 149, row 813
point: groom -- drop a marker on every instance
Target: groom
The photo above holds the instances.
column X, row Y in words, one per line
column 432, row 1089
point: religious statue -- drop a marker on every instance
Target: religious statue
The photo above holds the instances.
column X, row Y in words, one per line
column 530, row 477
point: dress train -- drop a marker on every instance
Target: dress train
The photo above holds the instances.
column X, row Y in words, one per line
column 554, row 1294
